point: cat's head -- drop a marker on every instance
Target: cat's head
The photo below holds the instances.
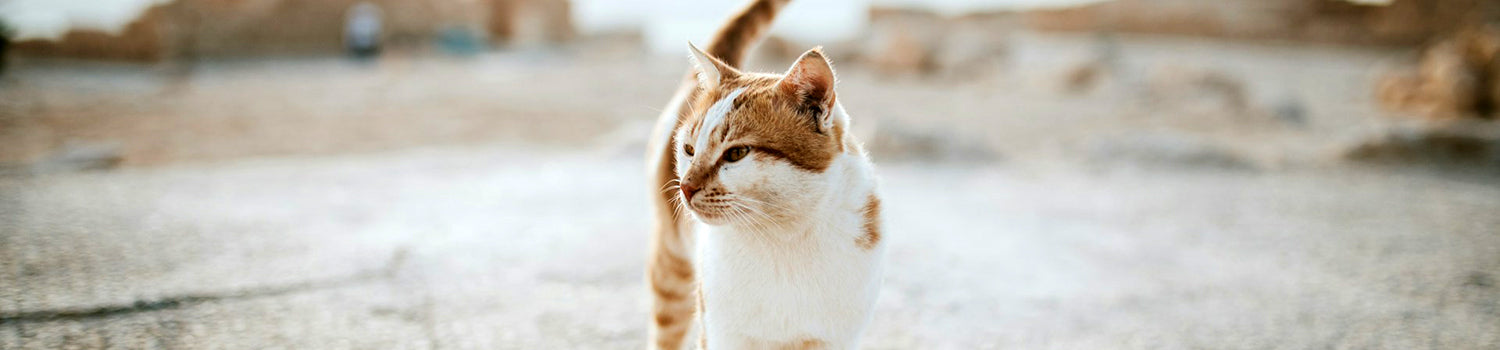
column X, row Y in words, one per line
column 754, row 148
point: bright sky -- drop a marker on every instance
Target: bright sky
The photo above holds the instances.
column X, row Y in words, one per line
column 53, row 18
column 669, row 24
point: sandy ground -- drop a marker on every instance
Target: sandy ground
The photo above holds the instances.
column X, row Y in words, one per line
column 302, row 203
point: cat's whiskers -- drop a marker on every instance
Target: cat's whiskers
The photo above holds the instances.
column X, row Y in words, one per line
column 749, row 218
column 671, row 185
column 764, row 203
column 678, row 204
column 769, row 219
column 740, row 216
column 817, row 221
column 740, row 204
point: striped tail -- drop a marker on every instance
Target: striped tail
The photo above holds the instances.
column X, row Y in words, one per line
column 669, row 267
column 746, row 28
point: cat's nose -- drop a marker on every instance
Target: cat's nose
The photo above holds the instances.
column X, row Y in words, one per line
column 688, row 190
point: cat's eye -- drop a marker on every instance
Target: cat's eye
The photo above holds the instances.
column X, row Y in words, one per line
column 735, row 154
column 687, row 149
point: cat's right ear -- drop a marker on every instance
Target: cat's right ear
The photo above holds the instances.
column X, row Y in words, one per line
column 710, row 71
column 811, row 81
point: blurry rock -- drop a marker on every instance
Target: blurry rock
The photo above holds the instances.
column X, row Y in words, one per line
column 529, row 22
column 893, row 140
column 460, row 41
column 1158, row 149
column 1082, row 77
column 613, row 45
column 912, row 42
column 1397, row 90
column 1398, row 22
column 1478, row 279
column 1447, row 82
column 80, row 157
column 1484, row 52
column 900, row 52
column 1455, row 78
column 1458, row 142
column 776, row 53
column 1290, row 109
column 974, row 45
column 1255, row 18
column 1178, row 84
column 902, row 42
column 5, row 34
column 1418, row 21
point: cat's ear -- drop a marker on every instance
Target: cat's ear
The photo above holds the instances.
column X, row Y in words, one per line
column 810, row 81
column 711, row 71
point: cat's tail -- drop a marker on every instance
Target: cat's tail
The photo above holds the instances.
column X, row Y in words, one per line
column 742, row 30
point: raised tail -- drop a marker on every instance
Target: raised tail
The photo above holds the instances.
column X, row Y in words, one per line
column 742, row 30
column 670, row 271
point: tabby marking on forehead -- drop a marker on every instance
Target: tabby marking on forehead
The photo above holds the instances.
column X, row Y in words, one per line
column 715, row 117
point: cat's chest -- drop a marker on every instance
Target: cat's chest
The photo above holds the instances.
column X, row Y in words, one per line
column 746, row 261
column 818, row 290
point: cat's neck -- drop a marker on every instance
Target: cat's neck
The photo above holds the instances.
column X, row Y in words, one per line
column 851, row 179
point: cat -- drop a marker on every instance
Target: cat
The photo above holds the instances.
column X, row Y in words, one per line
column 768, row 220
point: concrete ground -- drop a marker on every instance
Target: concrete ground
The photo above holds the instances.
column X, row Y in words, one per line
column 472, row 248
column 497, row 202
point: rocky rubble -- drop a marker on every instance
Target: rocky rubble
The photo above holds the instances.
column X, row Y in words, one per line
column 1459, row 143
column 901, row 42
column 1397, row 22
column 1457, row 77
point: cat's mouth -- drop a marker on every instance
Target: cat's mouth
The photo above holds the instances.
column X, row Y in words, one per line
column 728, row 209
column 717, row 207
column 712, row 211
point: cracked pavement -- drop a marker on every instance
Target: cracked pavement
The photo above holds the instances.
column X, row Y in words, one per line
column 496, row 247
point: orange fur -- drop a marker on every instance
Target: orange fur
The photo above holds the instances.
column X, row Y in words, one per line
column 669, row 269
column 872, row 224
column 800, row 344
column 781, row 117
column 805, row 344
column 776, row 115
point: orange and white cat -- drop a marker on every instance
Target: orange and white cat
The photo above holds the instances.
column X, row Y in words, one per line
column 770, row 218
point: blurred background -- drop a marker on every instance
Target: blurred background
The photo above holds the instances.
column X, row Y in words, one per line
column 468, row 174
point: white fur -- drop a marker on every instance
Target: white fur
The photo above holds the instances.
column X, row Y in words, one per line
column 714, row 117
column 804, row 279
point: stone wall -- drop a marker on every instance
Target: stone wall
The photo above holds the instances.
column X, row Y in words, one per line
column 220, row 28
column 247, row 27
column 522, row 22
column 1403, row 22
column 142, row 40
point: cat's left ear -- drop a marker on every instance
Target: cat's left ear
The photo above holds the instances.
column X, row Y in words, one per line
column 811, row 80
column 711, row 71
